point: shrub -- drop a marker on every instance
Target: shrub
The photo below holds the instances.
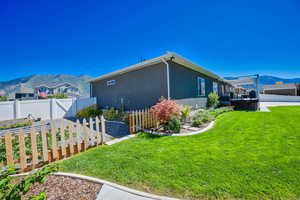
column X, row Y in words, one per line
column 197, row 123
column 10, row 189
column 3, row 98
column 173, row 124
column 115, row 115
column 58, row 96
column 164, row 109
column 88, row 112
column 213, row 100
column 185, row 112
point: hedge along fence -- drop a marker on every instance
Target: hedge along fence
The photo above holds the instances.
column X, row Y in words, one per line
column 142, row 119
column 29, row 151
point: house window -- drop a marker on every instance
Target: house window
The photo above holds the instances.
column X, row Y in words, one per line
column 111, row 82
column 201, row 86
column 215, row 87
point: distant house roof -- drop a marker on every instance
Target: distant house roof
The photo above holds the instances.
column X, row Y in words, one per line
column 170, row 55
column 280, row 86
column 53, row 85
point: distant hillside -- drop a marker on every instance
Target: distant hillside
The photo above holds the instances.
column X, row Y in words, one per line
column 27, row 84
column 268, row 80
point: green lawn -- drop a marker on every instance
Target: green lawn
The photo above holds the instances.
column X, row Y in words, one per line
column 248, row 155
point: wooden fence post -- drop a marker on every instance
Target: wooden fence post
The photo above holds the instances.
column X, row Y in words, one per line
column 22, row 149
column 103, row 131
column 9, row 149
column 34, row 148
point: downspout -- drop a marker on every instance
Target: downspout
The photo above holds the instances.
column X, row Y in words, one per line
column 168, row 77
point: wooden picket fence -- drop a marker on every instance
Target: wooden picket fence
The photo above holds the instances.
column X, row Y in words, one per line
column 61, row 140
column 142, row 119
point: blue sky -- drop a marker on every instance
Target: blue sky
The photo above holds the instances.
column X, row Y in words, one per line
column 96, row 37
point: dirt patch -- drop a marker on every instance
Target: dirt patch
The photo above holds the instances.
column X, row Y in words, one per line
column 66, row 188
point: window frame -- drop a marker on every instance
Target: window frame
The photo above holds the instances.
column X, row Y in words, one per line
column 201, row 82
column 110, row 83
column 215, row 87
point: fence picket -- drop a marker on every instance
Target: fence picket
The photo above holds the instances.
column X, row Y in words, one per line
column 71, row 139
column 45, row 144
column 34, row 148
column 62, row 140
column 9, row 148
column 98, row 134
column 22, row 149
column 92, row 135
column 54, row 141
column 78, row 135
column 85, row 135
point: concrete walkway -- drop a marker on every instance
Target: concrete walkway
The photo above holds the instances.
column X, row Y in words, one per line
column 264, row 106
column 110, row 193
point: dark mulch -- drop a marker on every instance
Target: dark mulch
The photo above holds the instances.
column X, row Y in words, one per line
column 66, row 188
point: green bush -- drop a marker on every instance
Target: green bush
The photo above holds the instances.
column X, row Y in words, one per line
column 3, row 98
column 197, row 123
column 58, row 96
column 10, row 189
column 88, row 112
column 205, row 116
column 173, row 125
column 115, row 115
column 213, row 100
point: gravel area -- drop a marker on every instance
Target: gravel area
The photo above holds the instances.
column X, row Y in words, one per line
column 66, row 188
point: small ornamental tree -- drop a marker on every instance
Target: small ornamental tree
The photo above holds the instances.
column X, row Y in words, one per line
column 165, row 109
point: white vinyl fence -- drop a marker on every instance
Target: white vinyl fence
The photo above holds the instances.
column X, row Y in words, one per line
column 278, row 98
column 45, row 109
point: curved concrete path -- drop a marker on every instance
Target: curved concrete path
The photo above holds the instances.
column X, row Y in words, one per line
column 113, row 191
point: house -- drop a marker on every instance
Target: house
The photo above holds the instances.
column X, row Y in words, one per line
column 282, row 89
column 57, row 88
column 143, row 84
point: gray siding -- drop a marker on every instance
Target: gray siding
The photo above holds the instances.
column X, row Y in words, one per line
column 139, row 89
column 184, row 82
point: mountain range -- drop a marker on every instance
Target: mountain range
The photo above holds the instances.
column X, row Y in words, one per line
column 28, row 83
column 269, row 80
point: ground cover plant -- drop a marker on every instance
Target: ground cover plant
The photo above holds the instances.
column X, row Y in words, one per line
column 16, row 125
column 247, row 155
column 10, row 190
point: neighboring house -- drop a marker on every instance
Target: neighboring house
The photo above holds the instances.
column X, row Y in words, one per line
column 143, row 84
column 282, row 89
column 23, row 93
column 54, row 88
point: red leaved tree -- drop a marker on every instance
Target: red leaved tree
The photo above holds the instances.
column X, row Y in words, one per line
column 164, row 109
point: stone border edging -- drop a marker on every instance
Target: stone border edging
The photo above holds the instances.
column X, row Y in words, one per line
column 114, row 185
column 210, row 125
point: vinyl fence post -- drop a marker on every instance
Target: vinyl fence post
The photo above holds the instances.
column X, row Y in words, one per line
column 52, row 109
column 16, row 109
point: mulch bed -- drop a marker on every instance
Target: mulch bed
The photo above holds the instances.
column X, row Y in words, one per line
column 66, row 188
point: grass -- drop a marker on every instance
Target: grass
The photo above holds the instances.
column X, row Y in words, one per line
column 248, row 155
